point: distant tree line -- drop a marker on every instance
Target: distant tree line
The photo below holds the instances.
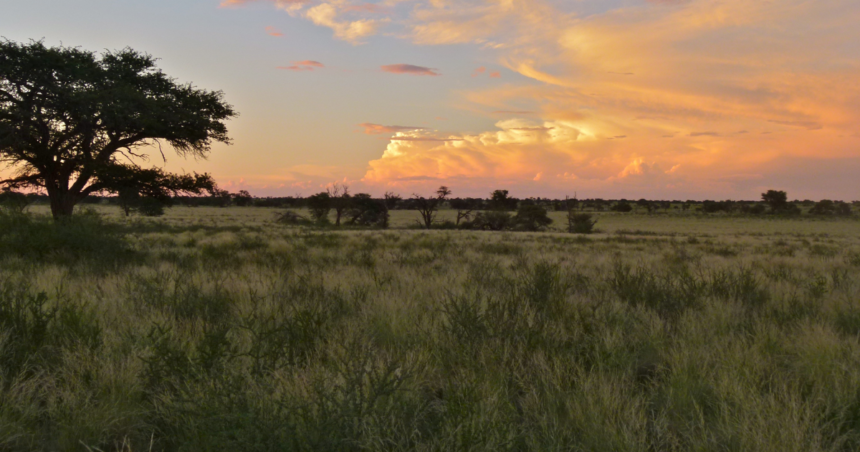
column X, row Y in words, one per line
column 499, row 211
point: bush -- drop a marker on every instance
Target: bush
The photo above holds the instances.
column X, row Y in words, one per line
column 828, row 207
column 81, row 236
column 13, row 202
column 492, row 221
column 291, row 218
column 580, row 223
column 622, row 206
column 531, row 217
column 319, row 205
column 366, row 211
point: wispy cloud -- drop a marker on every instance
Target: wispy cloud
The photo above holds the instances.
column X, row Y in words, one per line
column 409, row 69
column 377, row 129
column 306, row 65
column 479, row 71
column 272, row 31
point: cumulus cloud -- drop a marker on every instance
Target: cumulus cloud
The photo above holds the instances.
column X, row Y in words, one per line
column 786, row 72
column 409, row 69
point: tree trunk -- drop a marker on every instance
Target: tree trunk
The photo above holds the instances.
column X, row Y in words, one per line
column 62, row 203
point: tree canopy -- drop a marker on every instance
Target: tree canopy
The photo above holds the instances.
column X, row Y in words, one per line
column 74, row 122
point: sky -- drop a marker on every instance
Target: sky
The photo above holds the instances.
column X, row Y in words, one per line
column 659, row 99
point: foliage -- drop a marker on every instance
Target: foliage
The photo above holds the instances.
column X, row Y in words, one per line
column 13, row 202
column 319, row 205
column 499, row 200
column 494, row 220
column 366, row 211
column 243, row 198
column 531, row 217
column 622, row 206
column 580, row 223
column 828, row 207
column 83, row 236
column 428, row 207
column 95, row 112
column 776, row 199
column 291, row 218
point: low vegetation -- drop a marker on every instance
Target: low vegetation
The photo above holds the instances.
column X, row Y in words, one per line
column 222, row 329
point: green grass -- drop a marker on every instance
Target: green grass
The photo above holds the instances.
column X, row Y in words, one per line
column 217, row 329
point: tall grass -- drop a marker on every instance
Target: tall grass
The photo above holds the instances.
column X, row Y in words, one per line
column 269, row 338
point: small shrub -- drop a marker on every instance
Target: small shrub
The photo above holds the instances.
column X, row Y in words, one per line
column 291, row 218
column 492, row 221
column 81, row 236
column 580, row 223
column 13, row 202
column 622, row 206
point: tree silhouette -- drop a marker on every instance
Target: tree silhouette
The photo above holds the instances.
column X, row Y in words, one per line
column 777, row 200
column 428, row 207
column 73, row 122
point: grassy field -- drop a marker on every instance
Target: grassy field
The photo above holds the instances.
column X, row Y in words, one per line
column 215, row 329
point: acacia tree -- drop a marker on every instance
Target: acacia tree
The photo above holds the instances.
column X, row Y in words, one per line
column 73, row 123
column 427, row 207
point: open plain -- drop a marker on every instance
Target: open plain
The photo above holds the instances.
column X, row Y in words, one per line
column 218, row 329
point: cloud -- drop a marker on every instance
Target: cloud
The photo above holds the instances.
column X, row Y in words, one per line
column 272, row 31
column 495, row 74
column 377, row 129
column 479, row 71
column 409, row 69
column 306, row 65
column 353, row 31
column 786, row 71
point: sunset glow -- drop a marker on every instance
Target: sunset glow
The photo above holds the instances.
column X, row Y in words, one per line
column 671, row 99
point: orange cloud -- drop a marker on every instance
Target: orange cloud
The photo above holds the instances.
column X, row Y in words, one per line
column 377, row 129
column 495, row 74
column 409, row 69
column 479, row 71
column 307, row 65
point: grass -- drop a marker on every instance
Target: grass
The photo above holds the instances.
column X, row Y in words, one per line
column 218, row 329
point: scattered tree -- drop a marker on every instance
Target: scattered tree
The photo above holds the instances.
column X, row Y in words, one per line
column 319, row 206
column 493, row 220
column 777, row 200
column 499, row 200
column 71, row 120
column 428, row 207
column 242, row 199
column 340, row 200
column 366, row 211
column 531, row 217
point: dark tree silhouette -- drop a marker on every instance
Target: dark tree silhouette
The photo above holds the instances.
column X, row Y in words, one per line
column 319, row 205
column 776, row 199
column 428, row 207
column 73, row 122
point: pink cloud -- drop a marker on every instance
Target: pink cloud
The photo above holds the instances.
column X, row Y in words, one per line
column 478, row 71
column 496, row 74
column 409, row 69
column 306, row 65
column 377, row 129
column 272, row 31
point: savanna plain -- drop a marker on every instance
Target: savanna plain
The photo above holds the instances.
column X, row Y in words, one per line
column 217, row 329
